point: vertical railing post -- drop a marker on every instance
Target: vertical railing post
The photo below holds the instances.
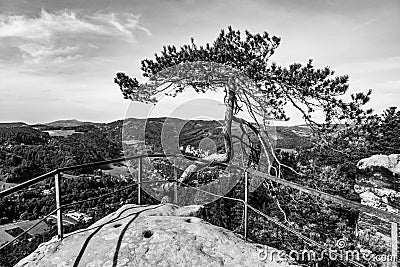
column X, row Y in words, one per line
column 57, row 185
column 394, row 243
column 140, row 176
column 246, row 193
column 176, row 183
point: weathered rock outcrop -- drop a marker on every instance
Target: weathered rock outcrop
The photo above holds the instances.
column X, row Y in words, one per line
column 391, row 162
column 159, row 235
column 378, row 185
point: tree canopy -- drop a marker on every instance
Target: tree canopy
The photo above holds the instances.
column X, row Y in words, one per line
column 265, row 91
column 305, row 87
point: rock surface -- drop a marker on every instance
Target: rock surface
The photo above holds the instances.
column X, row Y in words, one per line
column 391, row 162
column 158, row 235
column 378, row 185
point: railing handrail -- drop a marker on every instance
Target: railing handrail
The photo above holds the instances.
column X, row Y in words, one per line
column 361, row 207
column 43, row 177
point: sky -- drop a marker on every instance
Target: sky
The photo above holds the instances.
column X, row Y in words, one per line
column 58, row 58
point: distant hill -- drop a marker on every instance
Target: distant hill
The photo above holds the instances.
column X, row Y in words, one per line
column 291, row 137
column 27, row 151
column 286, row 137
column 12, row 124
column 65, row 123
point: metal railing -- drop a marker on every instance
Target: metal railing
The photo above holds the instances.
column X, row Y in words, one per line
column 393, row 218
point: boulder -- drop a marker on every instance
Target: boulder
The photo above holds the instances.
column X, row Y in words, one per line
column 157, row 235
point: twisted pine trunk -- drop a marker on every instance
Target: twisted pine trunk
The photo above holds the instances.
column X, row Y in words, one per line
column 216, row 158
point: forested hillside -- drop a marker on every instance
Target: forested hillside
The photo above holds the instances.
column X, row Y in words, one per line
column 27, row 151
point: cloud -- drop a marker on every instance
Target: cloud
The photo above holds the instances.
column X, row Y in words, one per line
column 64, row 35
column 124, row 24
column 363, row 25
column 35, row 53
column 45, row 26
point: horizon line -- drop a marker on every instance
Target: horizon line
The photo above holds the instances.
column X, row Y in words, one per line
column 137, row 118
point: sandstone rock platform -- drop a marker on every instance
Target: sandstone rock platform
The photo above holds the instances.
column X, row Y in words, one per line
column 157, row 235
